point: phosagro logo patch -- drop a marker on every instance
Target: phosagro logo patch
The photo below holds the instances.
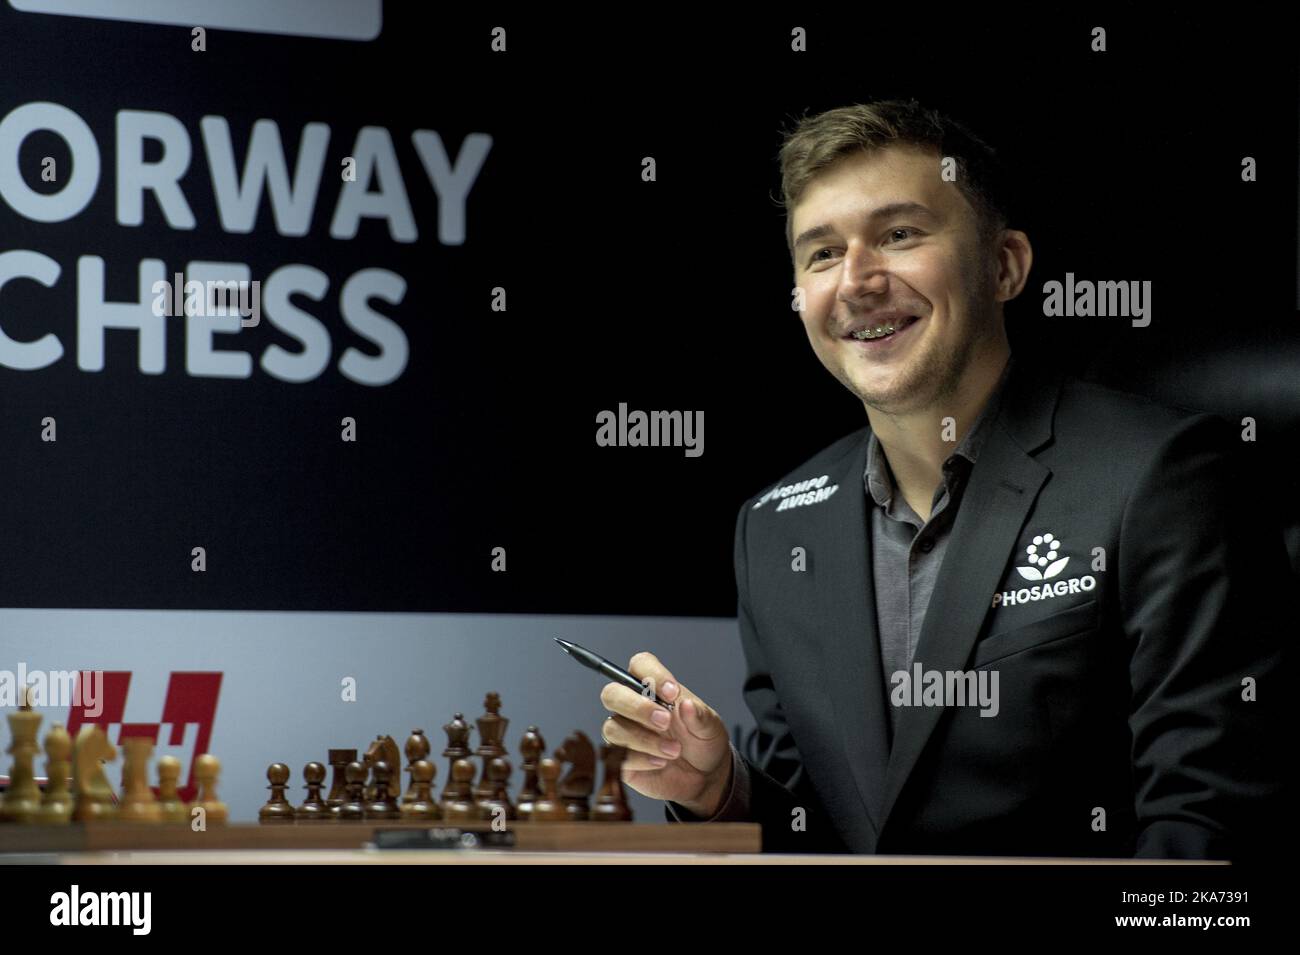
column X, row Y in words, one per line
column 1044, row 563
column 1047, row 560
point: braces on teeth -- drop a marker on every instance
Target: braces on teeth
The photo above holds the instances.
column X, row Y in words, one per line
column 876, row 332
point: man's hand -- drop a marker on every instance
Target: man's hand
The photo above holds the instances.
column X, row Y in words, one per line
column 682, row 755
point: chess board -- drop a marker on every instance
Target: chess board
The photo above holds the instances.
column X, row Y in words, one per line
column 74, row 808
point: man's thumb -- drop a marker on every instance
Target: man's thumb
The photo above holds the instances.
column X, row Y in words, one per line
column 699, row 720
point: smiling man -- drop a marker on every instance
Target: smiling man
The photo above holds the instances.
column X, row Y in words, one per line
column 1015, row 614
column 903, row 286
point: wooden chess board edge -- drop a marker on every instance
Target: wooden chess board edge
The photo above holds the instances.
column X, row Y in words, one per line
column 728, row 837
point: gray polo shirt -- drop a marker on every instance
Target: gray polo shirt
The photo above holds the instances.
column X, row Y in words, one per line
column 906, row 553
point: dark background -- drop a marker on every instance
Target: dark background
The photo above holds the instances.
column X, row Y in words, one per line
column 670, row 295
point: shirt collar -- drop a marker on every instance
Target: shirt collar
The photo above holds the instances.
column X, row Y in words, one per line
column 879, row 480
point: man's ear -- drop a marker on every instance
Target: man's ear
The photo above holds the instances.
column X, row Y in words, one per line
column 1015, row 257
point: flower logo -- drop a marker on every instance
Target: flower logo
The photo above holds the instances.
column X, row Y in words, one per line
column 1052, row 546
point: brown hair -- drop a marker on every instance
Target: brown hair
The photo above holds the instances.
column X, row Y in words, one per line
column 818, row 141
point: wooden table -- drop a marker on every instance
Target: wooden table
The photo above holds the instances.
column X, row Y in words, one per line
column 563, row 843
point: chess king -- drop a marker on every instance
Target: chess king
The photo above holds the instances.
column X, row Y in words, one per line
column 1136, row 717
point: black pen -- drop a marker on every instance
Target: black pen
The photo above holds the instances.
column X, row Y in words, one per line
column 611, row 670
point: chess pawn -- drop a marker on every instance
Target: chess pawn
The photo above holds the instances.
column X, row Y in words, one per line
column 530, row 747
column 56, row 807
column 384, row 748
column 339, row 759
column 417, row 748
column 353, row 807
column 422, row 806
column 22, row 798
column 384, row 805
column 92, row 795
column 170, row 805
column 277, row 810
column 138, row 803
column 499, row 806
column 549, row 807
column 313, row 808
column 457, row 748
column 206, row 770
column 460, row 807
column 611, row 802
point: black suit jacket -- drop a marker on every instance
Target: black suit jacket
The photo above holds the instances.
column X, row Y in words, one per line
column 1122, row 728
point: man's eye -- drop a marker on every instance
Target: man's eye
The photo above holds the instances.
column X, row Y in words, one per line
column 908, row 232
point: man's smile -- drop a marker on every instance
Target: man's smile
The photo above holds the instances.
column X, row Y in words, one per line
column 884, row 336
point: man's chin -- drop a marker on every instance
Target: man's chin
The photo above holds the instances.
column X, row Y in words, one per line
column 892, row 393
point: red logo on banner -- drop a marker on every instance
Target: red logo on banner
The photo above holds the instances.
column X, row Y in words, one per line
column 191, row 698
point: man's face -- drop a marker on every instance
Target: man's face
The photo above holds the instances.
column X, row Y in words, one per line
column 873, row 265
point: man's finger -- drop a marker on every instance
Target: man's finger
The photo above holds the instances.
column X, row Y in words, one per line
column 639, row 762
column 647, row 668
column 620, row 731
column 624, row 701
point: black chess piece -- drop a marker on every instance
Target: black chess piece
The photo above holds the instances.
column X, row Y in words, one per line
column 417, row 748
column 531, row 748
column 457, row 748
column 383, row 748
column 353, row 808
column 499, row 806
column 313, row 808
column 491, row 731
column 611, row 801
column 578, row 782
column 460, row 806
column 384, row 805
column 422, row 806
column 549, row 807
column 277, row 809
column 339, row 759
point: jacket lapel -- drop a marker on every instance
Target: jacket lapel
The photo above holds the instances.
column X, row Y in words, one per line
column 1001, row 490
column 855, row 684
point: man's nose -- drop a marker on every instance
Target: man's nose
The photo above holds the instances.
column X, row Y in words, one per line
column 865, row 272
